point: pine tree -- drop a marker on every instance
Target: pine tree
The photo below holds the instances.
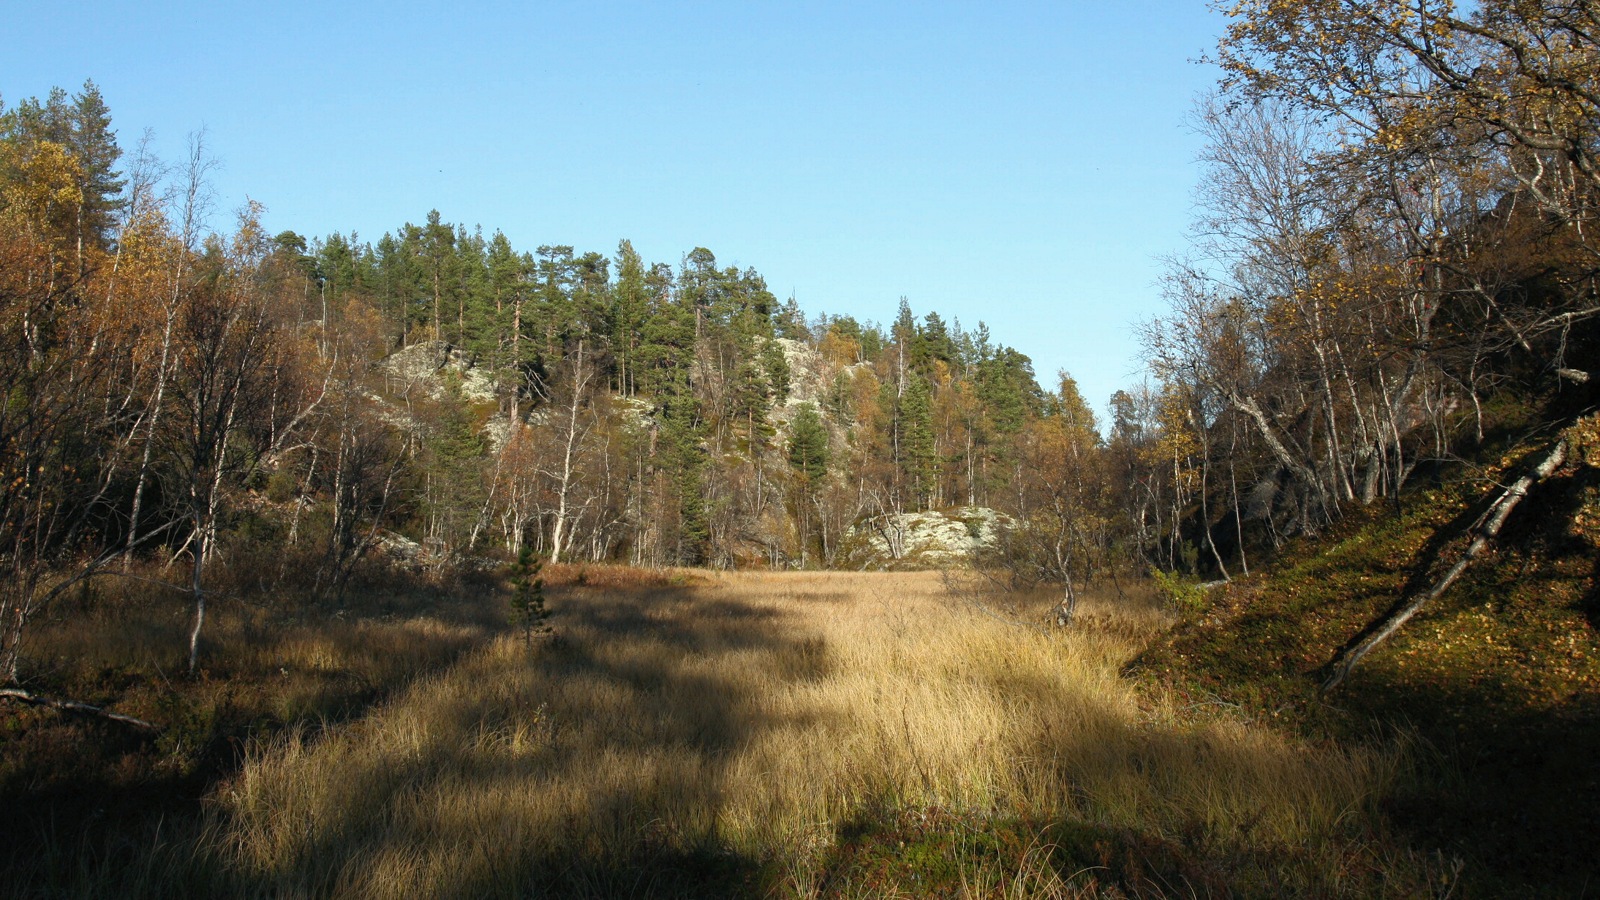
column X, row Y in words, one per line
column 435, row 246
column 340, row 263
column 629, row 309
column 591, row 295
column 933, row 343
column 666, row 336
column 399, row 283
column 790, row 322
column 477, row 322
column 553, row 314
column 82, row 129
column 905, row 327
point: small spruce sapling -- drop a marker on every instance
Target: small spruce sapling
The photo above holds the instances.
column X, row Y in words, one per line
column 527, row 595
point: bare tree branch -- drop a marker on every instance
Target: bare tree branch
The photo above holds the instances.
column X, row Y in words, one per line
column 71, row 706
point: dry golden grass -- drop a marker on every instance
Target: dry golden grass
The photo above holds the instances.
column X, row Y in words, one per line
column 733, row 729
column 290, row 658
column 95, row 809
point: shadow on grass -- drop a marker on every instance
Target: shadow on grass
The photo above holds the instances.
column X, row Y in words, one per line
column 589, row 764
column 940, row 853
column 92, row 806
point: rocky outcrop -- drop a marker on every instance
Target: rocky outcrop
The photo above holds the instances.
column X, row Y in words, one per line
column 932, row 539
column 807, row 382
column 428, row 365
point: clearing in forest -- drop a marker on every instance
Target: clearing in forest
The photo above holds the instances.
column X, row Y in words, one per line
column 796, row 734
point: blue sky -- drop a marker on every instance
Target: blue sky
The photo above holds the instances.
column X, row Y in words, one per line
column 1025, row 164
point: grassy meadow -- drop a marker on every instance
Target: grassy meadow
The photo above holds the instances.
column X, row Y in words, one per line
column 700, row 734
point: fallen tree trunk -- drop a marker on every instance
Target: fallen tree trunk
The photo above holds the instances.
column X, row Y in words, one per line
column 70, row 706
column 1493, row 520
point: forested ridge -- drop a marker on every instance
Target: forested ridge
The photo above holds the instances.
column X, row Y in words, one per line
column 185, row 395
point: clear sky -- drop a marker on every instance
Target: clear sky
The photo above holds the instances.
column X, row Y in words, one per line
column 1024, row 164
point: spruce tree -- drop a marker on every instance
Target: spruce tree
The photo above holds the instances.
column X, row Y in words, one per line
column 808, row 444
column 919, row 459
column 776, row 365
column 94, row 145
column 528, row 611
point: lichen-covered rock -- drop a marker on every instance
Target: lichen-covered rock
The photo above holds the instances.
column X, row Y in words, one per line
column 428, row 364
column 635, row 412
column 806, row 381
column 931, row 539
column 498, row 431
column 401, row 550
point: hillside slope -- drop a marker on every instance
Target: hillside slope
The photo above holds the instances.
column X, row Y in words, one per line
column 1499, row 680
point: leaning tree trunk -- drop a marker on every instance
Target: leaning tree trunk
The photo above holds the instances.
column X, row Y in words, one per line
column 1493, row 521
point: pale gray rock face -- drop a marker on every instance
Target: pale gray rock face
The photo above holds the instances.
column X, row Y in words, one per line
column 422, row 370
column 806, row 382
column 931, row 539
column 498, row 430
column 424, row 365
column 635, row 412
